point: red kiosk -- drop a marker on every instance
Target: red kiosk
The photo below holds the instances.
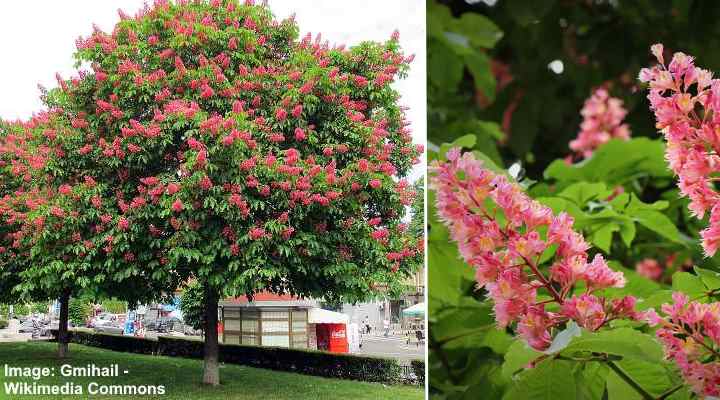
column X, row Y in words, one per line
column 331, row 330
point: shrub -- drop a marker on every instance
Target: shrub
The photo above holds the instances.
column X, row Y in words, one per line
column 114, row 306
column 39, row 308
column 4, row 323
column 21, row 309
column 308, row 362
column 127, row 344
column 418, row 367
column 78, row 311
column 192, row 305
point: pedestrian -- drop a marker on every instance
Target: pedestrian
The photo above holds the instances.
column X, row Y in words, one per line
column 386, row 326
column 366, row 324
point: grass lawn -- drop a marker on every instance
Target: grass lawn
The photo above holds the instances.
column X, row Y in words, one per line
column 181, row 377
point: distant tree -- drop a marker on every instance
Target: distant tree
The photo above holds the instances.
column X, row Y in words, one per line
column 192, row 305
column 78, row 311
column 54, row 226
column 417, row 210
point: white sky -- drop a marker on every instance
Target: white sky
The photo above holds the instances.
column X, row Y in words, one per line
column 38, row 39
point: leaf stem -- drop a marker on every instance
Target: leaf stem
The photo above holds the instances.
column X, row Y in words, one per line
column 669, row 392
column 645, row 395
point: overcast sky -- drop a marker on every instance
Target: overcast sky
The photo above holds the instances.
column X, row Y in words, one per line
column 38, row 39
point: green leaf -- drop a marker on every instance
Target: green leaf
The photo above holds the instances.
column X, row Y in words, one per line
column 479, row 66
column 490, row 164
column 603, row 236
column 464, row 142
column 582, row 192
column 635, row 284
column 624, row 342
column 656, row 300
column 590, row 378
column 445, row 68
column 497, row 340
column 627, row 233
column 636, row 204
column 615, row 162
column 711, row 279
column 550, row 380
column 652, row 377
column 559, row 205
column 658, row 223
column 517, row 357
column 467, row 316
column 689, row 284
column 618, row 389
column 479, row 29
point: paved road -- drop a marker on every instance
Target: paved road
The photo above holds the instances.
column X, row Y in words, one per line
column 10, row 334
column 394, row 347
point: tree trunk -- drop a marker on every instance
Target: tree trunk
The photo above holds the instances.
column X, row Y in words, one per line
column 63, row 325
column 211, row 371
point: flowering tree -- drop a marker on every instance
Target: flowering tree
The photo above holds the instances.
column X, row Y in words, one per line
column 11, row 182
column 224, row 149
column 27, row 269
column 49, row 215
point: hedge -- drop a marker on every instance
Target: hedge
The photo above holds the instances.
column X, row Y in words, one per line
column 418, row 367
column 127, row 344
column 308, row 362
column 3, row 324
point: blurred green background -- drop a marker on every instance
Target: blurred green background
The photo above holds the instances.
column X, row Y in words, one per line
column 489, row 61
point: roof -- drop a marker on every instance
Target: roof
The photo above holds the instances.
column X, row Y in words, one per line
column 267, row 299
column 320, row 316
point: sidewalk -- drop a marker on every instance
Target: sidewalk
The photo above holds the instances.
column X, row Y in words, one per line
column 11, row 334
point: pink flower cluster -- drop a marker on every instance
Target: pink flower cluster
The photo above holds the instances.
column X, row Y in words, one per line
column 602, row 121
column 650, row 268
column 690, row 335
column 686, row 101
column 503, row 233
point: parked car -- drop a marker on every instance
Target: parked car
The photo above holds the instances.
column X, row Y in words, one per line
column 100, row 319
column 107, row 318
column 115, row 327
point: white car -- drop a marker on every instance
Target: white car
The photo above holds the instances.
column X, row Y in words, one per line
column 103, row 319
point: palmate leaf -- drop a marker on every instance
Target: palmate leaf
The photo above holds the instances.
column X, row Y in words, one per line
column 590, row 378
column 615, row 162
column 519, row 354
column 549, row 380
column 479, row 66
column 710, row 279
column 624, row 342
column 655, row 378
column 689, row 284
column 466, row 317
